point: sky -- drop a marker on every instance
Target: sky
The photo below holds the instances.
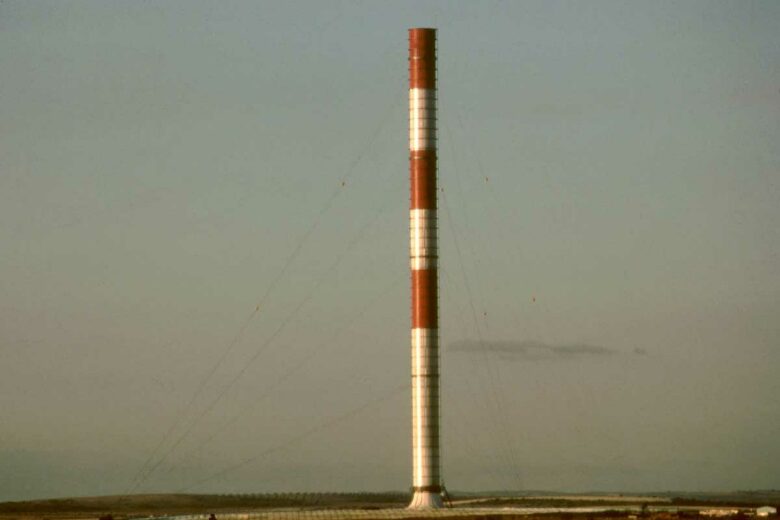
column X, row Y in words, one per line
column 204, row 255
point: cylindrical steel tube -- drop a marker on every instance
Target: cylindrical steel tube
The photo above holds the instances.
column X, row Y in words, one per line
column 426, row 477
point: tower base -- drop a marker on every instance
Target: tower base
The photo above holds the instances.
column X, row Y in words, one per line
column 426, row 500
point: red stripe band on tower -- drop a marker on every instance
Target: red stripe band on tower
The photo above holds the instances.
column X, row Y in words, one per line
column 422, row 58
column 425, row 312
column 422, row 170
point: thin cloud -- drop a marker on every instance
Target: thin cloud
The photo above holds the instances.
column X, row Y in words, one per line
column 531, row 350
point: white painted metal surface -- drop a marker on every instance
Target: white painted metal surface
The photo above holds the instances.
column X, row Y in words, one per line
column 422, row 239
column 422, row 119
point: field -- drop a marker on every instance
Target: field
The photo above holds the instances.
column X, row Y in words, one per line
column 364, row 506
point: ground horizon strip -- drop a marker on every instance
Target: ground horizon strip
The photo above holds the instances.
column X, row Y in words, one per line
column 407, row 513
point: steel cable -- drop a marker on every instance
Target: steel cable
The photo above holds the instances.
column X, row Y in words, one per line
column 143, row 473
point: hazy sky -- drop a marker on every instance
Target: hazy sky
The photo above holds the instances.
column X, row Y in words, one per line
column 610, row 245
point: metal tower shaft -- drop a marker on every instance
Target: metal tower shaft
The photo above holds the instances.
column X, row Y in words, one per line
column 424, row 269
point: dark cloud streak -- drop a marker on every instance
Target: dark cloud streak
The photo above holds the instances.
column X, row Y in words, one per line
column 532, row 350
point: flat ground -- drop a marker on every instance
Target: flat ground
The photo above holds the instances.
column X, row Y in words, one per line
column 369, row 506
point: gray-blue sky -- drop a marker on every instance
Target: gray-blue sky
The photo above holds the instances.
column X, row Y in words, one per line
column 610, row 180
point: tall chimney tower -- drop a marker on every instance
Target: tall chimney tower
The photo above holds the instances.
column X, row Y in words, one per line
column 426, row 479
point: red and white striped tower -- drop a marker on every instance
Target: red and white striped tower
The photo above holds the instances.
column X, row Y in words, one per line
column 423, row 262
